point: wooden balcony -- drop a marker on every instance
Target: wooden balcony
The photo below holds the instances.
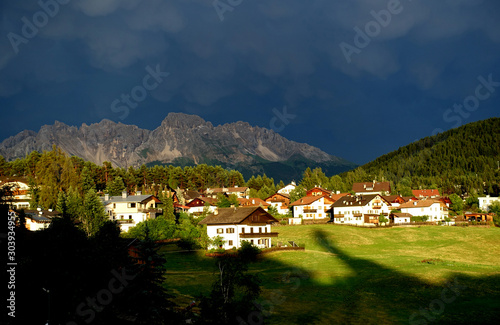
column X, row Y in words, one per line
column 120, row 221
column 258, row 234
column 149, row 210
column 310, row 210
column 377, row 207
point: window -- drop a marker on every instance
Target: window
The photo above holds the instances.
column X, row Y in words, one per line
column 229, row 230
column 220, row 230
column 132, row 205
column 260, row 242
column 230, row 242
column 251, row 230
column 251, row 241
column 242, row 230
column 114, row 205
column 260, row 229
column 121, row 217
column 130, row 217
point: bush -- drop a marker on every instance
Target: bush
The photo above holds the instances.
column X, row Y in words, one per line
column 284, row 222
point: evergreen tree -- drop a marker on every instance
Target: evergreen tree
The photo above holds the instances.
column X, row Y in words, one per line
column 115, row 187
column 93, row 214
column 62, row 205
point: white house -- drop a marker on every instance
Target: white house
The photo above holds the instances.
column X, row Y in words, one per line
column 382, row 188
column 129, row 210
column 312, row 207
column 280, row 201
column 435, row 209
column 234, row 225
column 400, row 218
column 287, row 189
column 485, row 201
column 39, row 219
column 360, row 209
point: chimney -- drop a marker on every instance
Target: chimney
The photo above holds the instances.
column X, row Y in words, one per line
column 39, row 209
column 50, row 210
column 338, row 192
column 216, row 212
column 253, row 201
column 106, row 197
column 415, row 203
column 138, row 193
column 124, row 194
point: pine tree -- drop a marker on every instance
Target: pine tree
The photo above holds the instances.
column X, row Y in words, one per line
column 93, row 214
column 115, row 187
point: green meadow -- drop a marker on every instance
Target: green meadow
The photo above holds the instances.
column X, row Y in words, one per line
column 348, row 275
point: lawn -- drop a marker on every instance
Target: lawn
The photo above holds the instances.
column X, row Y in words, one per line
column 415, row 275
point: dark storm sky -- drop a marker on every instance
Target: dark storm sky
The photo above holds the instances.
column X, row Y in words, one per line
column 358, row 78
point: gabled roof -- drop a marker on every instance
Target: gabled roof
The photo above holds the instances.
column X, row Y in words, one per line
column 191, row 195
column 271, row 198
column 425, row 193
column 128, row 199
column 371, row 187
column 356, row 200
column 401, row 215
column 306, row 200
column 318, row 189
column 394, row 198
column 335, row 197
column 252, row 202
column 420, row 204
column 237, row 216
column 203, row 200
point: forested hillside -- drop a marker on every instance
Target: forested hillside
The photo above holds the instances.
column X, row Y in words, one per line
column 460, row 160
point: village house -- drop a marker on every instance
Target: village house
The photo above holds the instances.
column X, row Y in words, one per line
column 400, row 218
column 253, row 202
column 425, row 194
column 39, row 219
column 360, row 209
column 235, row 225
column 201, row 204
column 287, row 189
column 311, row 208
column 241, row 192
column 435, row 209
column 394, row 200
column 382, row 188
column 20, row 191
column 129, row 210
column 486, row 201
column 280, row 201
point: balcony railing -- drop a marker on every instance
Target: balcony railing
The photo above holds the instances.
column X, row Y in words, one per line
column 149, row 210
column 124, row 221
column 377, row 207
column 310, row 210
column 258, row 234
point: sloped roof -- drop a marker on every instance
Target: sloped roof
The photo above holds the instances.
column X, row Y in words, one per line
column 284, row 195
column 306, row 200
column 402, row 215
column 335, row 197
column 424, row 193
column 227, row 189
column 420, row 204
column 129, row 198
column 392, row 198
column 371, row 187
column 255, row 202
column 356, row 200
column 236, row 216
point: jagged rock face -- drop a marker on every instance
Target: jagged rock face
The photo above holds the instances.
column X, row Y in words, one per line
column 178, row 136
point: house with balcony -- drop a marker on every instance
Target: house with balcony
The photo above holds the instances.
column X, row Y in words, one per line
column 129, row 210
column 360, row 209
column 435, row 209
column 382, row 188
column 235, row 225
column 21, row 197
column 39, row 219
column 253, row 202
column 311, row 208
column 280, row 201
column 200, row 204
column 394, row 200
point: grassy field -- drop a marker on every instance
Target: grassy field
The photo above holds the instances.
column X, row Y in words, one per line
column 426, row 275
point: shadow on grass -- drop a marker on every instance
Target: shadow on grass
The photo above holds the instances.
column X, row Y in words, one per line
column 373, row 293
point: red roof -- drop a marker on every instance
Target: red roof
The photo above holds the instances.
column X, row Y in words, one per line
column 425, row 193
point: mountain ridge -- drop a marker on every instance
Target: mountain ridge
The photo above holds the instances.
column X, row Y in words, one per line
column 180, row 136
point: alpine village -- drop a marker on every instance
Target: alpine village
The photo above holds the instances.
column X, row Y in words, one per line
column 411, row 237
